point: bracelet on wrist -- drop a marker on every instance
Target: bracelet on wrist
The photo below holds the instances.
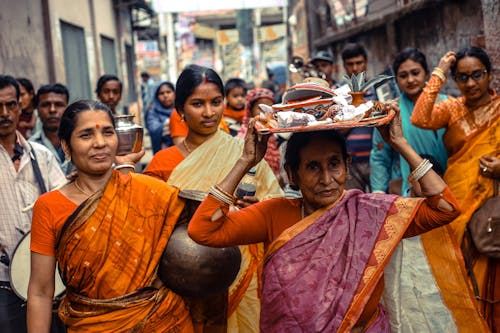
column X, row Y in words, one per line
column 440, row 74
column 420, row 171
column 123, row 166
column 221, row 195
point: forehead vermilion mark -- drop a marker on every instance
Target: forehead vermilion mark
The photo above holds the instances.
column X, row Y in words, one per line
column 97, row 126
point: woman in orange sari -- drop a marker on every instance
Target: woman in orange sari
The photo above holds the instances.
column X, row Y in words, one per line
column 327, row 251
column 201, row 160
column 106, row 230
column 472, row 139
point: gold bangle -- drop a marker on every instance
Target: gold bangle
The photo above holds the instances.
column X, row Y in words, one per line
column 439, row 69
column 440, row 74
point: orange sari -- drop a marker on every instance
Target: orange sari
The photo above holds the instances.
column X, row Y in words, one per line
column 108, row 253
column 469, row 135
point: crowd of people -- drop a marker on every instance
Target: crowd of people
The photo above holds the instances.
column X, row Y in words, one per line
column 357, row 230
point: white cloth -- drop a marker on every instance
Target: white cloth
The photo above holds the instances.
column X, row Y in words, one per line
column 411, row 295
column 19, row 190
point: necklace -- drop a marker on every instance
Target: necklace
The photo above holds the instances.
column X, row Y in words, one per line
column 186, row 146
column 81, row 189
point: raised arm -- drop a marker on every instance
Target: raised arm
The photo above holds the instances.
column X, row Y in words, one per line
column 428, row 114
column 430, row 182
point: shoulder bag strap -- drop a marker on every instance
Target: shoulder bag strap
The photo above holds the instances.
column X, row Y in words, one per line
column 36, row 170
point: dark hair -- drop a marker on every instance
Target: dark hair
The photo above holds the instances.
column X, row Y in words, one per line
column 26, row 84
column 410, row 53
column 191, row 77
column 105, row 78
column 472, row 51
column 55, row 88
column 299, row 140
column 165, row 83
column 144, row 74
column 7, row 80
column 352, row 50
column 235, row 83
column 70, row 117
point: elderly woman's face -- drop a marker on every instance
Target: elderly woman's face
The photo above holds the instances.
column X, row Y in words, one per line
column 321, row 174
column 472, row 79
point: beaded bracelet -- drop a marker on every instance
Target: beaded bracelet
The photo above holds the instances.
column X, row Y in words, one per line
column 439, row 73
column 123, row 166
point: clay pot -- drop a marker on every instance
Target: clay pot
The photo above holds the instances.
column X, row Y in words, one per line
column 357, row 97
column 194, row 270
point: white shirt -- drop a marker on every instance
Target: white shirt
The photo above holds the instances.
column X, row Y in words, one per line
column 19, row 190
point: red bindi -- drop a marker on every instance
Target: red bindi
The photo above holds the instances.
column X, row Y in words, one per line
column 97, row 126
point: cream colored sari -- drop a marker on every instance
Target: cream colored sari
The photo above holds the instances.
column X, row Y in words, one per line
column 208, row 165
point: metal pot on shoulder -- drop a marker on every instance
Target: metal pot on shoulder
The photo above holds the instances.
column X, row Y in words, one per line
column 191, row 269
column 130, row 135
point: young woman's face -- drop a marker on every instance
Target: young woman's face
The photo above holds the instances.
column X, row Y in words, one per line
column 411, row 78
column 472, row 79
column 256, row 109
column 321, row 174
column 110, row 94
column 203, row 109
column 26, row 97
column 93, row 142
column 166, row 96
column 236, row 98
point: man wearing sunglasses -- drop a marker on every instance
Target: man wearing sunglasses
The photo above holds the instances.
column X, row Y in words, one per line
column 19, row 188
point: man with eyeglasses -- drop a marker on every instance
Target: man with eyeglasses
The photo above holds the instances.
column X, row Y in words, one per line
column 51, row 100
column 19, row 188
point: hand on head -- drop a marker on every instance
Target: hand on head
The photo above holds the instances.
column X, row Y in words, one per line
column 447, row 61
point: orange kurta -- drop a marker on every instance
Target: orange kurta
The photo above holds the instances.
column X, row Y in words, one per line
column 108, row 255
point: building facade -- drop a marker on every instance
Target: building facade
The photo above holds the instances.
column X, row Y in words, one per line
column 385, row 27
column 71, row 42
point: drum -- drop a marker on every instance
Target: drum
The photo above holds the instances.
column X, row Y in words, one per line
column 191, row 269
column 20, row 269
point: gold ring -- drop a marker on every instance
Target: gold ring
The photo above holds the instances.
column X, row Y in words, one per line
column 485, row 169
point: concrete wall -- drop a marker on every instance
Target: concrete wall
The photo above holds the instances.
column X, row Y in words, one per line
column 77, row 14
column 491, row 15
column 22, row 41
column 24, row 50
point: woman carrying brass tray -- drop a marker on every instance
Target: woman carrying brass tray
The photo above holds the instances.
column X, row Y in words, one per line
column 325, row 252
